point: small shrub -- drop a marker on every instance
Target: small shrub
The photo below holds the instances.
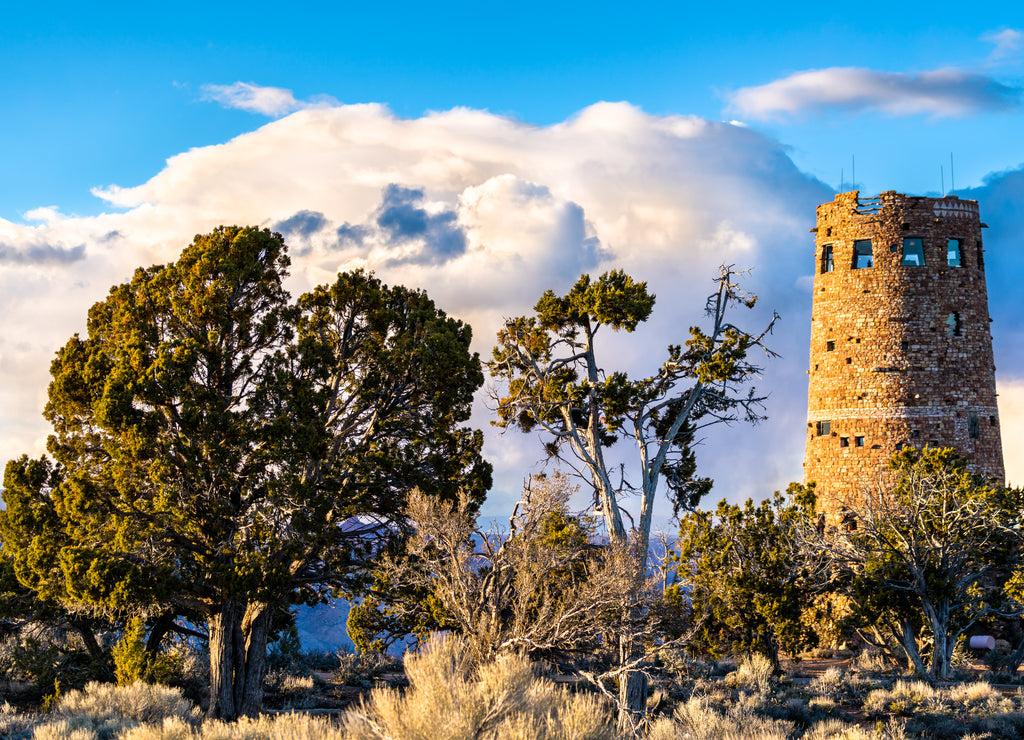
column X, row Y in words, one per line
column 139, row 702
column 754, row 673
column 873, row 663
column 905, row 697
column 698, row 719
column 496, row 701
column 834, row 729
column 15, row 725
column 360, row 669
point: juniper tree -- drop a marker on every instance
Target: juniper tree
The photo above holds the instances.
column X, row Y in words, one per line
column 552, row 379
column 222, row 449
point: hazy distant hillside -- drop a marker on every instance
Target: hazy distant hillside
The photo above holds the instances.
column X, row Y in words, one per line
column 323, row 627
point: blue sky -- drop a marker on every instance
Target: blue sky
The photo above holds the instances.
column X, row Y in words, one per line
column 100, row 96
column 555, row 137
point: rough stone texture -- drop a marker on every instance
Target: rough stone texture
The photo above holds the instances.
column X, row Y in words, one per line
column 900, row 354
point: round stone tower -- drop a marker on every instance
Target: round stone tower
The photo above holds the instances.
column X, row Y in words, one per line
column 901, row 351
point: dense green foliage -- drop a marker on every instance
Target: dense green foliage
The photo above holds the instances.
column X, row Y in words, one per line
column 223, row 450
column 743, row 569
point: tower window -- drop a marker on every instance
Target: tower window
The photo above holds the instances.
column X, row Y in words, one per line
column 913, row 252
column 991, row 421
column 827, row 259
column 862, row 254
column 849, row 360
column 953, row 255
column 981, row 255
column 953, row 325
column 859, row 440
column 899, row 446
column 824, row 428
column 844, row 441
column 972, row 425
column 830, row 346
column 904, row 345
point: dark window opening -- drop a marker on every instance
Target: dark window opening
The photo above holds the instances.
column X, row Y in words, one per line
column 991, row 421
column 953, row 325
column 899, row 446
column 859, row 440
column 916, row 433
column 830, row 346
column 824, row 428
column 849, row 360
column 828, row 231
column 827, row 259
column 844, row 441
column 953, row 254
column 972, row 425
column 913, row 252
column 904, row 345
column 862, row 254
column 981, row 255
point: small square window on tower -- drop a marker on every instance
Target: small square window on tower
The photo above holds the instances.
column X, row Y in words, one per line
column 824, row 428
column 830, row 346
column 859, row 440
column 913, row 252
column 972, row 425
column 862, row 254
column 844, row 441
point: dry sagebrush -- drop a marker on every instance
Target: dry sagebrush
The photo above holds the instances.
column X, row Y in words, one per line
column 448, row 698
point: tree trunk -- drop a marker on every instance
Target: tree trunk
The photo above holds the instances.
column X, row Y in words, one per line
column 256, row 627
column 909, row 642
column 238, row 659
column 632, row 687
column 942, row 650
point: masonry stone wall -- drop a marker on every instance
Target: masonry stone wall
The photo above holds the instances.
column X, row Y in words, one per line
column 901, row 352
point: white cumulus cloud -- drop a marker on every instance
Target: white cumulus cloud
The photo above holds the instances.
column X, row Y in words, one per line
column 936, row 93
column 485, row 213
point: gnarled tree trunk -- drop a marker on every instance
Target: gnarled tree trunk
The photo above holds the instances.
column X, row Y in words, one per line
column 238, row 659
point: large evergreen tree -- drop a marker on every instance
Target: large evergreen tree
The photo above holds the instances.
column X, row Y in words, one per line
column 223, row 450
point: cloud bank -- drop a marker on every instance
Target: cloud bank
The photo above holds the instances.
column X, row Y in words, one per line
column 485, row 213
column 940, row 93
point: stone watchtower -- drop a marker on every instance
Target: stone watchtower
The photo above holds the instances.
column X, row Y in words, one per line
column 901, row 352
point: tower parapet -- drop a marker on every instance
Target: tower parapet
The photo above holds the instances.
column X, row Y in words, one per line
column 901, row 349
